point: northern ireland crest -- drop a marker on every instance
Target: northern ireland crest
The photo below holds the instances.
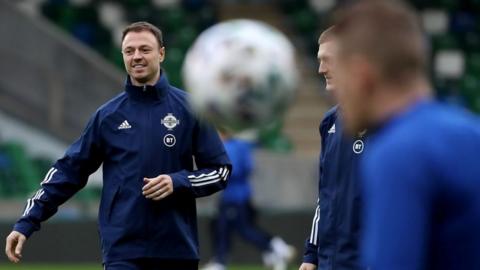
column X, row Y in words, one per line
column 170, row 121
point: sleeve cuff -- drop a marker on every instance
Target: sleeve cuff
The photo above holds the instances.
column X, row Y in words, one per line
column 311, row 254
column 310, row 258
column 25, row 228
column 179, row 181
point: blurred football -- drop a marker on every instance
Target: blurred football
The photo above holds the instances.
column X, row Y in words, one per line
column 241, row 74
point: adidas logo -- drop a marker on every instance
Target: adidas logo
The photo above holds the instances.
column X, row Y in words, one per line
column 332, row 129
column 124, row 125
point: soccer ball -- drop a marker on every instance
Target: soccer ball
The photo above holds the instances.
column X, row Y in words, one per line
column 241, row 74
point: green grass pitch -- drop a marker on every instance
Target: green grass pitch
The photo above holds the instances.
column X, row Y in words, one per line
column 87, row 267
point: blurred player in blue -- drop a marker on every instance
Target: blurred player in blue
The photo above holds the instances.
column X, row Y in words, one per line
column 236, row 213
column 421, row 172
column 157, row 159
column 333, row 242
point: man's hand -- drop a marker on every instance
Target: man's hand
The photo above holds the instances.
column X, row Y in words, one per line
column 14, row 246
column 157, row 188
column 307, row 266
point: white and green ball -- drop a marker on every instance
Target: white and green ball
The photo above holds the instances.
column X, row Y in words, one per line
column 241, row 74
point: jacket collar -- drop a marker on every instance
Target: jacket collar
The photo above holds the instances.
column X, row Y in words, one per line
column 148, row 92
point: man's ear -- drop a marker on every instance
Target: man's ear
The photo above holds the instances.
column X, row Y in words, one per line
column 161, row 51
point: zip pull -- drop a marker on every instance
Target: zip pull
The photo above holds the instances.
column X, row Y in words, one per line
column 144, row 88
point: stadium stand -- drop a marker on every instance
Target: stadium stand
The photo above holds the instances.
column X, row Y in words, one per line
column 452, row 28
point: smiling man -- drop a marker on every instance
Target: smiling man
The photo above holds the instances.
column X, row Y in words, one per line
column 147, row 139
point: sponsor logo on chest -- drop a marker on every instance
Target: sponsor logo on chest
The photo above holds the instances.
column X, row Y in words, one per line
column 359, row 145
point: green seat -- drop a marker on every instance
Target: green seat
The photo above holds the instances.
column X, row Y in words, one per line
column 444, row 42
column 26, row 177
column 132, row 4
column 68, row 17
column 471, row 41
column 470, row 89
column 305, row 20
column 473, row 63
column 448, row 4
column 7, row 187
column 185, row 37
column 272, row 138
column 115, row 57
column 173, row 65
column 173, row 19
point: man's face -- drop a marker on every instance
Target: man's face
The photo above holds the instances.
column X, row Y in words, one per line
column 326, row 59
column 354, row 90
column 142, row 57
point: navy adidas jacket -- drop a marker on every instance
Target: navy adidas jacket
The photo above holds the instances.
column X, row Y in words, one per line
column 143, row 132
column 334, row 238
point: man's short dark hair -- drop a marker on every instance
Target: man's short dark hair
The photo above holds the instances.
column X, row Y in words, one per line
column 387, row 33
column 144, row 26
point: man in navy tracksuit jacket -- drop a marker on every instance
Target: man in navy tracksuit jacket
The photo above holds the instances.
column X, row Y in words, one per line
column 149, row 143
column 333, row 242
column 334, row 238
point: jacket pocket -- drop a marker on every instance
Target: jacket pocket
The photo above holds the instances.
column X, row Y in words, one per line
column 111, row 204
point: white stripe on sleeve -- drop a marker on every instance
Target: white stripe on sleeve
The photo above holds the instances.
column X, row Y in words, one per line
column 208, row 178
column 40, row 192
column 314, row 232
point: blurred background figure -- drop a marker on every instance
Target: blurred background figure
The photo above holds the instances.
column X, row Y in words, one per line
column 236, row 213
column 420, row 173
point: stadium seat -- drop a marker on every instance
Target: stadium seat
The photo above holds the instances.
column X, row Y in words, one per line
column 185, row 37
column 174, row 19
column 473, row 63
column 470, row 90
column 449, row 64
column 448, row 4
column 173, row 65
column 435, row 21
column 463, row 22
column 305, row 20
column 26, row 177
column 471, row 41
column 272, row 138
column 444, row 42
column 6, row 188
column 115, row 56
column 193, row 5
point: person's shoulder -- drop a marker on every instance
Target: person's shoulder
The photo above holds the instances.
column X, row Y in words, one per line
column 178, row 93
column 241, row 143
column 437, row 120
column 179, row 97
column 112, row 105
column 328, row 119
column 426, row 130
column 454, row 118
column 331, row 113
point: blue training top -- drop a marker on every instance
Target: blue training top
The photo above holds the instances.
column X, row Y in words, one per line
column 422, row 190
column 143, row 132
column 238, row 189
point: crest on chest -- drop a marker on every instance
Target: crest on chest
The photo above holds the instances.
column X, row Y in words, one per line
column 170, row 121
